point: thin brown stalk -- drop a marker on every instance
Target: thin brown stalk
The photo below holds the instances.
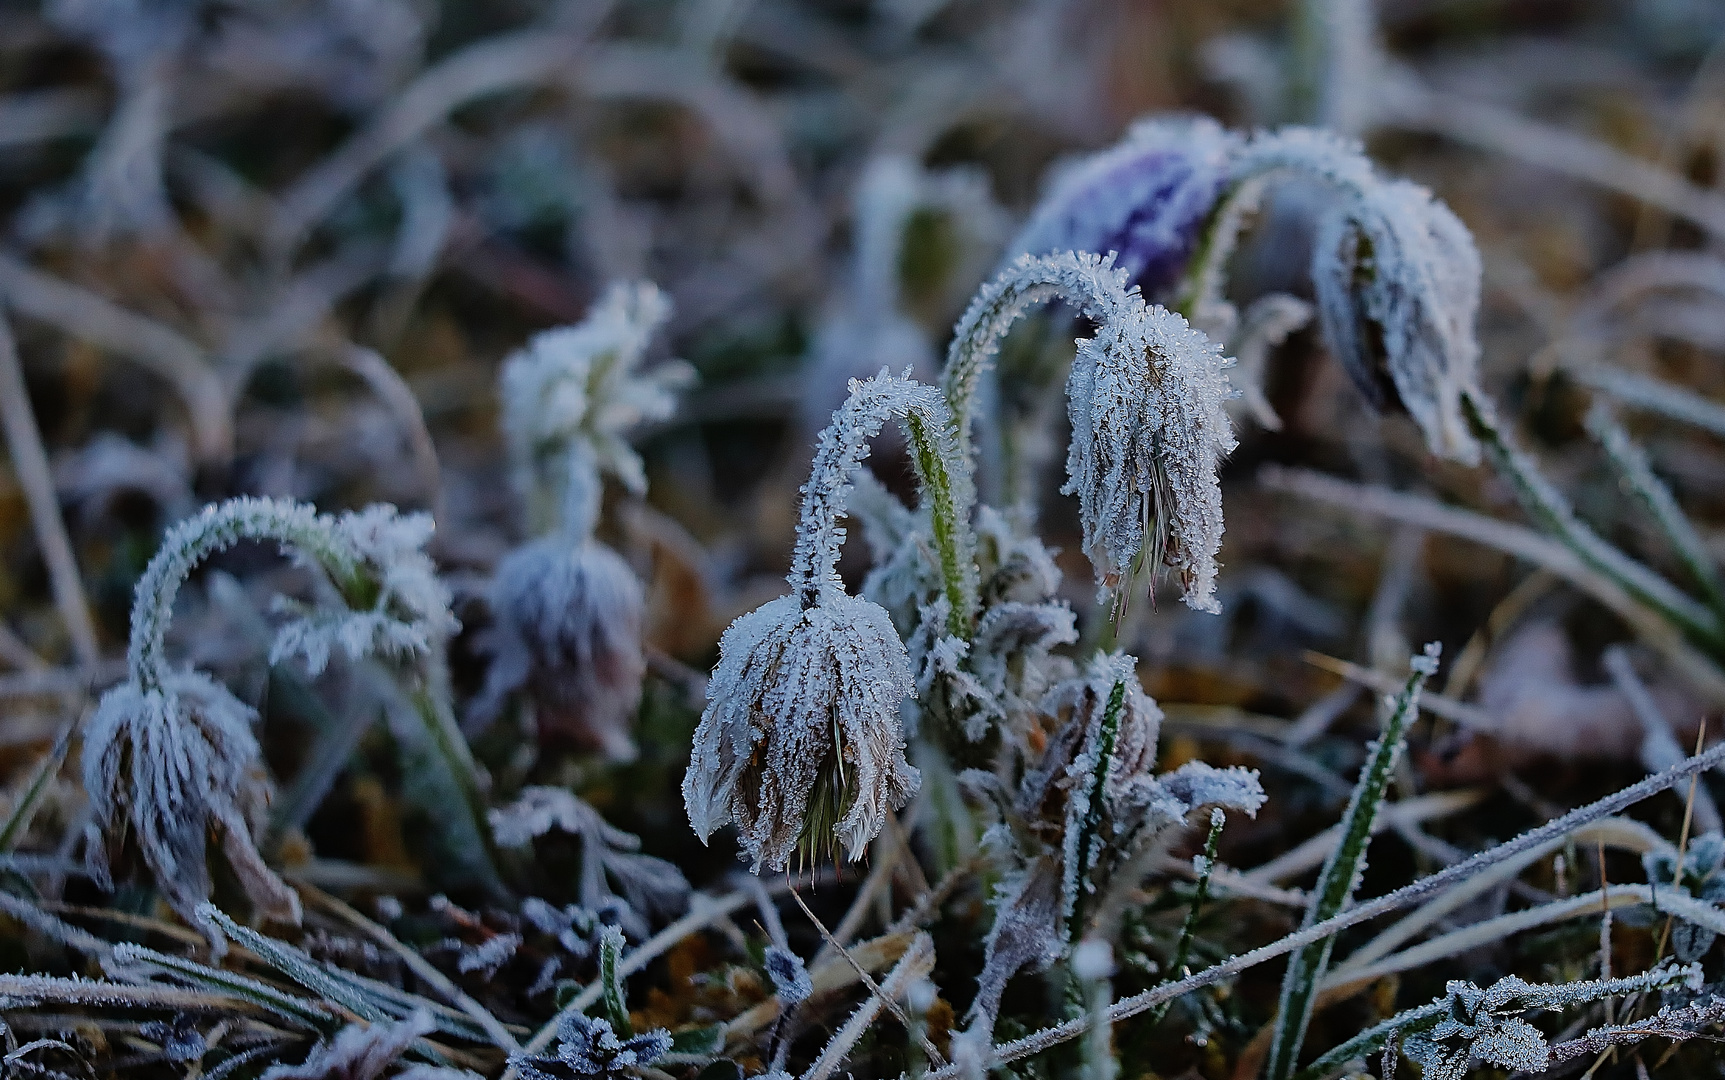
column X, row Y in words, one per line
column 30, row 462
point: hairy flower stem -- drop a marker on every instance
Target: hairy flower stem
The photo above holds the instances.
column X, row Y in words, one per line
column 217, row 529
column 1552, row 511
column 1341, row 873
column 430, row 698
column 1189, row 929
column 943, row 477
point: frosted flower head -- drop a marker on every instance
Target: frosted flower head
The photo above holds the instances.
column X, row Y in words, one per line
column 1145, row 199
column 801, row 744
column 588, row 1049
column 1397, row 279
column 176, row 765
column 1149, row 431
column 569, row 630
column 581, row 383
column 394, row 603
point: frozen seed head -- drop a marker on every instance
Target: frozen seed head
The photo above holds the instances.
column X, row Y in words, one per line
column 569, row 631
column 1397, row 278
column 176, row 765
column 581, row 384
column 1146, row 199
column 801, row 744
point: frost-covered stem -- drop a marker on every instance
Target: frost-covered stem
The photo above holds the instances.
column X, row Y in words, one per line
column 1038, row 1041
column 583, row 492
column 1341, row 873
column 1189, row 929
column 1551, row 510
column 1100, row 295
column 611, row 984
column 216, row 529
column 1637, row 474
column 943, row 474
column 430, row 700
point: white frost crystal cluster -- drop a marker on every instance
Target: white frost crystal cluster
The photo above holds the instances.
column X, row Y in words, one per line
column 1487, row 1024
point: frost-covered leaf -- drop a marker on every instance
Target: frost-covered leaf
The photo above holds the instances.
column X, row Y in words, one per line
column 588, row 1049
column 358, row 1052
column 612, row 866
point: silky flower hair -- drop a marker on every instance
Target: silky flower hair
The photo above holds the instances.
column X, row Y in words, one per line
column 801, row 743
column 1145, row 199
column 1145, row 398
column 579, row 385
column 170, row 753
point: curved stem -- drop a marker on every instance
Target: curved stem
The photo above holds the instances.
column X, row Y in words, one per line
column 1097, row 290
column 943, row 474
column 1547, row 506
column 216, row 529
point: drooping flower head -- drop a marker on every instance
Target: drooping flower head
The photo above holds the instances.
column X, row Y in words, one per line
column 169, row 755
column 801, row 744
column 569, row 630
column 1145, row 199
column 1145, row 397
column 1397, row 277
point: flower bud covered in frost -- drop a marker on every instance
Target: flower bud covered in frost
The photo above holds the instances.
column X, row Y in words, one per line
column 178, row 762
column 801, row 743
column 1145, row 199
column 568, row 629
column 1397, row 278
column 1145, row 398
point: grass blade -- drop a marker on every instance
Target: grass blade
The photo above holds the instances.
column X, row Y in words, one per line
column 1341, row 873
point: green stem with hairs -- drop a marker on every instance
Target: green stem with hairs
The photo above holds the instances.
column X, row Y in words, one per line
column 1341, row 874
column 1189, row 929
column 953, row 543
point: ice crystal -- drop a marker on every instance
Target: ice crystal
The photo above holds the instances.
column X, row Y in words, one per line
column 1145, row 199
column 650, row 887
column 358, row 1052
column 579, row 387
column 588, row 1049
column 568, row 629
column 801, row 738
column 791, row 982
column 176, row 762
column 1397, row 278
column 1145, row 398
column 1702, row 876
